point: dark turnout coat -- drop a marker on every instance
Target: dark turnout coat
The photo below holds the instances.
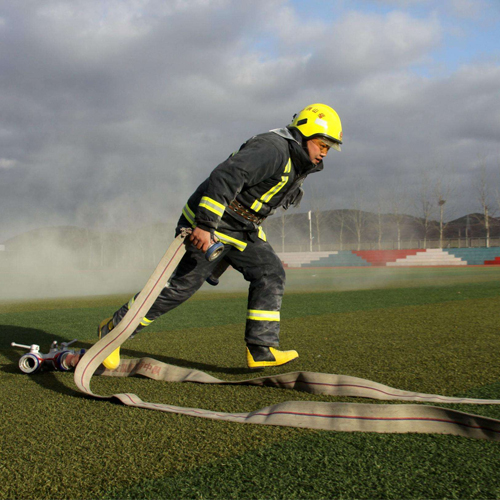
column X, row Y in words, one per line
column 266, row 173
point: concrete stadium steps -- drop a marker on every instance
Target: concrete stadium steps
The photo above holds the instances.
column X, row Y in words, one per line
column 343, row 258
column 431, row 257
column 476, row 256
column 297, row 259
column 394, row 258
column 381, row 257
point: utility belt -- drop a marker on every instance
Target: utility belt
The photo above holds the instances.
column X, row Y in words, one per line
column 246, row 213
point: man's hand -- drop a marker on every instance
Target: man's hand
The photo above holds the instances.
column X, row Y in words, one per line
column 201, row 239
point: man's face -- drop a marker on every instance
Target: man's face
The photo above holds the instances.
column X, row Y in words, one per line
column 317, row 150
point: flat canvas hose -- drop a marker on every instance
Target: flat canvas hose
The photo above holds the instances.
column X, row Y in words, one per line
column 350, row 417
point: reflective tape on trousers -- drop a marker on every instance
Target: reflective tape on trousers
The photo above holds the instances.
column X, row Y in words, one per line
column 348, row 417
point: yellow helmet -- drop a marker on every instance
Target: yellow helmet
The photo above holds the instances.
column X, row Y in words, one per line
column 319, row 120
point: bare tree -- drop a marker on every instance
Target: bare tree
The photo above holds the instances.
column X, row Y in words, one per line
column 483, row 188
column 399, row 204
column 424, row 207
column 355, row 222
column 382, row 210
column 339, row 218
column 357, row 217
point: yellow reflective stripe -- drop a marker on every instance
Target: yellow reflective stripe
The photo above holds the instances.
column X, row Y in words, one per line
column 267, row 196
column 263, row 315
column 261, row 234
column 190, row 220
column 213, row 202
column 145, row 321
column 256, row 205
column 227, row 240
column 212, row 205
column 288, row 166
column 188, row 213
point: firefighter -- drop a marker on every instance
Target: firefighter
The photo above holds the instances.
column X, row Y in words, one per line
column 266, row 173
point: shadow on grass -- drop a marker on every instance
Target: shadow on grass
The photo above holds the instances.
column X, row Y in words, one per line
column 28, row 336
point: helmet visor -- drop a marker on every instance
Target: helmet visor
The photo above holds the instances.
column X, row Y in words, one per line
column 329, row 142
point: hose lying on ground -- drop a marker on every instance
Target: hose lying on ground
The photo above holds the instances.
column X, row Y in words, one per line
column 389, row 418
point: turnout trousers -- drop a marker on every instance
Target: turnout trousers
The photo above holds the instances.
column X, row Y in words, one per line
column 259, row 265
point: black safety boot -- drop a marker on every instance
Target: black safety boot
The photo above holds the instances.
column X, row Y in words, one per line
column 260, row 356
column 113, row 360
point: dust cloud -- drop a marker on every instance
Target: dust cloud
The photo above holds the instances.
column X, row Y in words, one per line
column 70, row 262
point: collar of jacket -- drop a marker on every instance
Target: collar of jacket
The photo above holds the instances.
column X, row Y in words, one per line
column 299, row 156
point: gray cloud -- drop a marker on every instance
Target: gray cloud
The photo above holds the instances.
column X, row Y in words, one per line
column 113, row 112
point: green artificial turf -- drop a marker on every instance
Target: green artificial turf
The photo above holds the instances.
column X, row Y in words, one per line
column 326, row 465
column 436, row 332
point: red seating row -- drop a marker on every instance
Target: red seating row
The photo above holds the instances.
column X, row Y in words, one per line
column 381, row 257
column 495, row 262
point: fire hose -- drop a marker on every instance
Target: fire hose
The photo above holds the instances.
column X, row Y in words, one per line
column 336, row 416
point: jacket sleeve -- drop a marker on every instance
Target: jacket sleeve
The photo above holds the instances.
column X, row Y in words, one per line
column 256, row 160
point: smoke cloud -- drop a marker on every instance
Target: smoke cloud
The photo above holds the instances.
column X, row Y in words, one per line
column 112, row 113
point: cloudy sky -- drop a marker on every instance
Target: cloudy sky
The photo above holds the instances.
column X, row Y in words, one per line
column 112, row 111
